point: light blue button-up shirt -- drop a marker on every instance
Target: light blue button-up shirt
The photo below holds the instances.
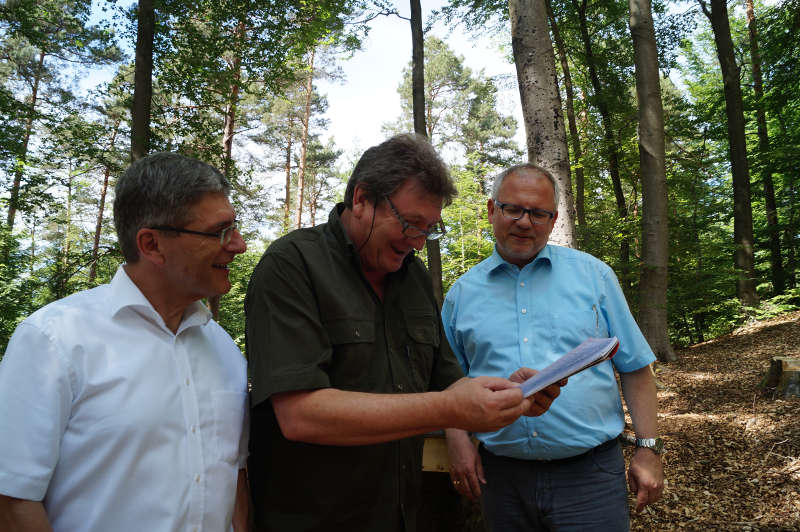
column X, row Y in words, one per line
column 499, row 318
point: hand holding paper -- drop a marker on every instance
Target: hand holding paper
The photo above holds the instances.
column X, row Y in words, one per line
column 592, row 351
column 539, row 401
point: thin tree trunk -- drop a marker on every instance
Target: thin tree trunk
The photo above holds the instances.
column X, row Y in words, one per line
column 655, row 235
column 773, row 229
column 304, row 141
column 580, row 210
column 13, row 202
column 742, row 210
column 610, row 143
column 541, row 106
column 67, row 227
column 143, row 81
column 98, row 227
column 287, row 200
column 228, row 127
column 418, row 104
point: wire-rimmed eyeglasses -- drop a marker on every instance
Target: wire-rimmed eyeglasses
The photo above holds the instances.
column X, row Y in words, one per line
column 225, row 235
column 412, row 231
column 515, row 212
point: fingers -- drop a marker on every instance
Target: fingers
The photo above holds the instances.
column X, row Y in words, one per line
column 496, row 383
column 522, row 374
column 467, row 480
column 540, row 401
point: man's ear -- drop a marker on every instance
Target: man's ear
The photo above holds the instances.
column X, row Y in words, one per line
column 361, row 201
column 149, row 246
column 489, row 209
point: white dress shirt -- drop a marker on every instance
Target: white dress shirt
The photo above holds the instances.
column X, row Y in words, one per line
column 118, row 424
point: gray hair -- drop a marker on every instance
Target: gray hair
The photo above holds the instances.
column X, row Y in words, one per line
column 160, row 189
column 383, row 168
column 498, row 180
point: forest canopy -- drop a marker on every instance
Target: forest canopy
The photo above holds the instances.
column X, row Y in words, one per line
column 237, row 84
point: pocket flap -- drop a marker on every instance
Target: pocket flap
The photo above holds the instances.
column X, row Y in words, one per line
column 423, row 329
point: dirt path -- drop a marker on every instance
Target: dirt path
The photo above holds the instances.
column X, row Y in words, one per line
column 733, row 452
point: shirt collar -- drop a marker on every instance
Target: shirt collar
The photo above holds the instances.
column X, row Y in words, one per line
column 495, row 261
column 125, row 293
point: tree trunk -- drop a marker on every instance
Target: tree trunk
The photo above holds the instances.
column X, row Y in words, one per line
column 229, row 124
column 304, row 141
column 418, row 104
column 13, row 201
column 742, row 211
column 98, row 227
column 541, row 106
column 773, row 229
column 580, row 210
column 610, row 143
column 655, row 236
column 287, row 200
column 143, row 81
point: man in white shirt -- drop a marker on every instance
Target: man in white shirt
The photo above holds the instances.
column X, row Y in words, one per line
column 123, row 407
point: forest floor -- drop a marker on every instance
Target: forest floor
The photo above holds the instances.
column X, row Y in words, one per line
column 732, row 450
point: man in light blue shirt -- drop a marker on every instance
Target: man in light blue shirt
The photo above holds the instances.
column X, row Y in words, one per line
column 525, row 306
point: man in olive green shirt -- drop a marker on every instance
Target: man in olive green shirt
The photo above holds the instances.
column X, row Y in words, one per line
column 348, row 360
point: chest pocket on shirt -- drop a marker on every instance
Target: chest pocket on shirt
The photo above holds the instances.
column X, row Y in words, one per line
column 228, row 423
column 424, row 333
column 579, row 324
column 353, row 343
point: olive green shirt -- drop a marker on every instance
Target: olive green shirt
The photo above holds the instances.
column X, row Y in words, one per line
column 314, row 321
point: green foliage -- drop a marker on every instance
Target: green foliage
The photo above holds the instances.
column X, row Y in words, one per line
column 231, row 305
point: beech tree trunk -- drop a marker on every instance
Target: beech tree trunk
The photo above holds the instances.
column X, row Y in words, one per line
column 610, row 142
column 655, row 235
column 776, row 265
column 143, row 81
column 742, row 210
column 577, row 152
column 541, row 106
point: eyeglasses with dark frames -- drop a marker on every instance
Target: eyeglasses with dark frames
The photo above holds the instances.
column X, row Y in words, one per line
column 225, row 236
column 515, row 212
column 412, row 231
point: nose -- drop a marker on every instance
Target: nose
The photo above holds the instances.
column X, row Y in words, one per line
column 418, row 242
column 237, row 243
column 524, row 221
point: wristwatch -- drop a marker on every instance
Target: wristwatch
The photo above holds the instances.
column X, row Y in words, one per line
column 654, row 444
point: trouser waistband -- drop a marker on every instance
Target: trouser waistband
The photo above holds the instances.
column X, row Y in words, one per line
column 610, row 444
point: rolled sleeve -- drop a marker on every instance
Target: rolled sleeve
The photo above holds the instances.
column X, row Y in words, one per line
column 35, row 405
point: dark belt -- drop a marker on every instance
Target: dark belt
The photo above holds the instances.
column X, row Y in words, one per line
column 610, row 444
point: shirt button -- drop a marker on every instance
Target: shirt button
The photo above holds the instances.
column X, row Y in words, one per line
column 535, row 434
column 522, row 283
column 525, row 340
column 399, row 387
column 187, row 381
column 357, row 333
column 197, row 479
column 524, row 311
column 193, row 429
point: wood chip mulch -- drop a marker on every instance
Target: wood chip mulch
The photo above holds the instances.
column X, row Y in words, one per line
column 732, row 459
